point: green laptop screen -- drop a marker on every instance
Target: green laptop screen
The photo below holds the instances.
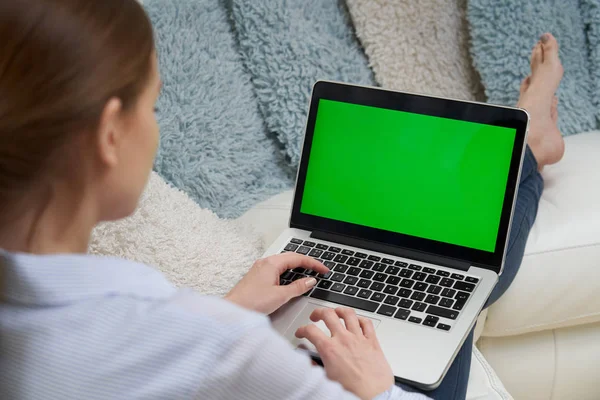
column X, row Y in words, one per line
column 430, row 177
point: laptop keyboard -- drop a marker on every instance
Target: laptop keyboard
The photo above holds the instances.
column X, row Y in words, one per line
column 385, row 286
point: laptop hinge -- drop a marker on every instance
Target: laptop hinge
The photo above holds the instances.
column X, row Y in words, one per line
column 392, row 250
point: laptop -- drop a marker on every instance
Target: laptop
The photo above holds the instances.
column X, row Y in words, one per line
column 408, row 199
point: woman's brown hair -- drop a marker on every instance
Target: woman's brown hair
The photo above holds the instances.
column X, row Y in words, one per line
column 60, row 63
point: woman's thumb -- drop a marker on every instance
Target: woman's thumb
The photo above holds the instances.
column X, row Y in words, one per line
column 301, row 286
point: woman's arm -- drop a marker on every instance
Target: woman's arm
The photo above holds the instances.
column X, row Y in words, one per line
column 261, row 365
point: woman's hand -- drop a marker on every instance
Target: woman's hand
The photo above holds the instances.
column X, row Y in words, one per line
column 352, row 355
column 259, row 289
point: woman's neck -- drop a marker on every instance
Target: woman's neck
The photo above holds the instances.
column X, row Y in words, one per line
column 59, row 224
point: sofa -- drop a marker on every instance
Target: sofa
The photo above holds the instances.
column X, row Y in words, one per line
column 542, row 338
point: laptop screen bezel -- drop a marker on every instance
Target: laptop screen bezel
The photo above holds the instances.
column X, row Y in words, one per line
column 427, row 105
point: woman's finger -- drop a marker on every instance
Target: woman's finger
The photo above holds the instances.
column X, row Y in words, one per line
column 330, row 318
column 313, row 334
column 350, row 319
column 367, row 327
column 290, row 260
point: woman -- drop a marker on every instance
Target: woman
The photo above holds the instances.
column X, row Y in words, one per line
column 78, row 83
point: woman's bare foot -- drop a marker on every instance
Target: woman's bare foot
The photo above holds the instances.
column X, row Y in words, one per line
column 538, row 98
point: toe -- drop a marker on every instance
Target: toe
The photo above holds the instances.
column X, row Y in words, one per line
column 536, row 57
column 549, row 46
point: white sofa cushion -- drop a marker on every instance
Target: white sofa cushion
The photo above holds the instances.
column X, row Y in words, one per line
column 557, row 284
column 560, row 364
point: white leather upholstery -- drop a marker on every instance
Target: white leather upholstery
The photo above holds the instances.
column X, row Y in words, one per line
column 558, row 282
column 560, row 364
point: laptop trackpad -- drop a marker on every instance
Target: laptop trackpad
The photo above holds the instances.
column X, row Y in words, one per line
column 303, row 318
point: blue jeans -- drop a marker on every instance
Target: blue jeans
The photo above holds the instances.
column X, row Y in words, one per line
column 531, row 185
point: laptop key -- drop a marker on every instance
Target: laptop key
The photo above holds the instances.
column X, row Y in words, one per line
column 432, row 299
column 379, row 277
column 351, row 280
column 353, row 271
column 299, row 270
column 309, row 244
column 296, row 241
column 363, row 283
column 366, row 264
column 405, row 273
column 430, row 320
column 420, row 286
column 291, row 247
column 315, row 253
column 443, row 273
column 328, row 255
column 378, row 286
column 433, row 289
column 459, row 304
column 443, row 327
column 325, row 284
column 447, row 282
column 353, row 261
column 405, row 303
column 338, row 287
column 444, row 302
column 347, row 252
column 416, row 320
column 392, row 270
column 337, row 277
column 419, row 276
column 415, row 267
column 387, row 261
column 360, row 255
column 340, row 258
column 419, row 296
column 442, row 312
column 335, row 249
column 462, row 296
column 400, row 264
column 287, row 275
column 389, row 289
column 303, row 250
column 402, row 314
column 392, row 280
column 351, row 290
column 378, row 297
column 467, row 287
column 406, row 283
column 367, row 274
column 374, row 258
column 457, row 276
column 379, row 267
column 419, row 307
column 428, row 270
column 321, row 246
column 344, row 300
column 364, row 293
column 470, row 279
column 326, row 275
column 433, row 279
column 329, row 264
column 448, row 293
column 388, row 311
column 404, row 293
column 340, row 268
column 391, row 300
